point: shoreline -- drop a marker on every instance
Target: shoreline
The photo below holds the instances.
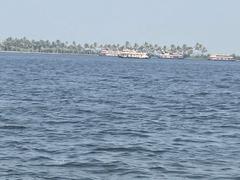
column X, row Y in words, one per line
column 79, row 54
column 47, row 53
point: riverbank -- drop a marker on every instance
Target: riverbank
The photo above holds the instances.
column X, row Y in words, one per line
column 47, row 53
column 25, row 45
column 85, row 54
column 198, row 58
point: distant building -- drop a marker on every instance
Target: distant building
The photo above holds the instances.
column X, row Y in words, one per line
column 221, row 57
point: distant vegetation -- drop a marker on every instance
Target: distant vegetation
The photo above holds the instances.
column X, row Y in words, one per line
column 46, row 46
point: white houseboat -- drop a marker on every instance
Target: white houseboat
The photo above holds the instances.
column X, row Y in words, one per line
column 111, row 53
column 171, row 56
column 221, row 57
column 133, row 54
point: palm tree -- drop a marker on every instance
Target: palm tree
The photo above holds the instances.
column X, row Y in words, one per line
column 164, row 49
column 204, row 51
column 173, row 48
column 184, row 49
column 86, row 46
column 127, row 45
column 136, row 46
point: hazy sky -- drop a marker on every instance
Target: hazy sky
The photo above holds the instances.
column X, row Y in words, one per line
column 215, row 23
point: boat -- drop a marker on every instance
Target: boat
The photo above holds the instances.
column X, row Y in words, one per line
column 110, row 53
column 221, row 57
column 133, row 54
column 171, row 56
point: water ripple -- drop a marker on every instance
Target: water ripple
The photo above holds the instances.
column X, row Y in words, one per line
column 84, row 117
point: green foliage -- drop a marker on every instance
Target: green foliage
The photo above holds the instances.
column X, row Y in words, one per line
column 46, row 46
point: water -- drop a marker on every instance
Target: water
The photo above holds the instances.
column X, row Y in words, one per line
column 82, row 117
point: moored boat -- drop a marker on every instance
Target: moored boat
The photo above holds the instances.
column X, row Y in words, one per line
column 124, row 54
column 221, row 57
column 171, row 56
column 133, row 54
column 111, row 53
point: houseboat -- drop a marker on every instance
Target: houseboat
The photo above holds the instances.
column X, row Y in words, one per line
column 171, row 56
column 221, row 57
column 133, row 54
column 111, row 53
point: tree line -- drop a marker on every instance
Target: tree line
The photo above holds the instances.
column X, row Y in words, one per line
column 46, row 46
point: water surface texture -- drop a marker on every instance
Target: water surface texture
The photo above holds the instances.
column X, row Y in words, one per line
column 97, row 118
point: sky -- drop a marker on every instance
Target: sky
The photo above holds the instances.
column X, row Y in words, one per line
column 214, row 23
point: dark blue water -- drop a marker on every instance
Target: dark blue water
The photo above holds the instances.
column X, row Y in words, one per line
column 81, row 117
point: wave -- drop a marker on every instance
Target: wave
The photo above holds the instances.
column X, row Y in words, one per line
column 13, row 127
